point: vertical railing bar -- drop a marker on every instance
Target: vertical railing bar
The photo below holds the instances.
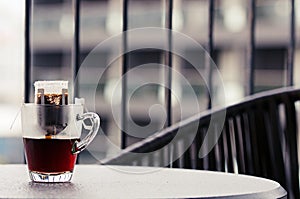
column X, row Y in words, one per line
column 252, row 18
column 124, row 77
column 76, row 46
column 76, row 50
column 168, row 11
column 168, row 93
column 210, row 47
column 27, row 83
column 291, row 47
column 211, row 27
column 27, row 58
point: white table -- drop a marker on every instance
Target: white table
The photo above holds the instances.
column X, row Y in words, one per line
column 94, row 181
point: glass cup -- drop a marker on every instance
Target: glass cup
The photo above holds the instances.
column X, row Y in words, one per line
column 51, row 136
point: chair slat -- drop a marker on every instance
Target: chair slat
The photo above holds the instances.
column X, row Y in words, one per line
column 230, row 158
column 248, row 147
column 262, row 140
column 219, row 152
column 273, row 131
column 254, row 142
column 292, row 166
column 239, row 140
column 197, row 143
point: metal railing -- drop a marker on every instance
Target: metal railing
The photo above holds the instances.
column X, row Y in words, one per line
column 168, row 58
column 124, row 71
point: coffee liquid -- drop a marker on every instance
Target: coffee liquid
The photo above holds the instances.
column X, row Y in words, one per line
column 50, row 155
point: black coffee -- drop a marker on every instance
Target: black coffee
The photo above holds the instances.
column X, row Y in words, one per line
column 45, row 155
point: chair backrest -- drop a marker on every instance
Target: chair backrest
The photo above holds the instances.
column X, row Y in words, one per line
column 258, row 137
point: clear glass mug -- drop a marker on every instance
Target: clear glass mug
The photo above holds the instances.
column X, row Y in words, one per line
column 51, row 136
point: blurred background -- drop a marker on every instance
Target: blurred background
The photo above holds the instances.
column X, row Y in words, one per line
column 52, row 43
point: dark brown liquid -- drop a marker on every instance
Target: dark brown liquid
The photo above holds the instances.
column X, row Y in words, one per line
column 49, row 155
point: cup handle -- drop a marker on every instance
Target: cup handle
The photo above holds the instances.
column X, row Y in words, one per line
column 93, row 128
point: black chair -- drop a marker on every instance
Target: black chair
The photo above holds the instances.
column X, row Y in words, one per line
column 258, row 137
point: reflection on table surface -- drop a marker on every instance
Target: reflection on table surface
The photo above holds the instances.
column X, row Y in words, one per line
column 92, row 181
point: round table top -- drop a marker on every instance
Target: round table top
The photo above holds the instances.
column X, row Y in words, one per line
column 95, row 181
